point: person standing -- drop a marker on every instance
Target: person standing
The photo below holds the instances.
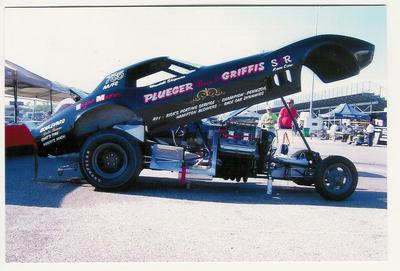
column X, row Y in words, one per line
column 267, row 123
column 284, row 121
column 268, row 120
column 370, row 131
column 347, row 133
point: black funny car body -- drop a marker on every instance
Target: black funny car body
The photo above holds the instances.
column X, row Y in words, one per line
column 153, row 114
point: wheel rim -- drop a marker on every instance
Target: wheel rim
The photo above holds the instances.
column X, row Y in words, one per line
column 337, row 178
column 109, row 160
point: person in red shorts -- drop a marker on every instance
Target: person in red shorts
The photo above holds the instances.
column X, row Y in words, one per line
column 285, row 122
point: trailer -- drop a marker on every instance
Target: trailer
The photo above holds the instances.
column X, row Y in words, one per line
column 154, row 114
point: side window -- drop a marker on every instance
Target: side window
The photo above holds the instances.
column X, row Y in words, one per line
column 153, row 78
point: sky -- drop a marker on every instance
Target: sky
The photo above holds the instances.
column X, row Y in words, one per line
column 80, row 46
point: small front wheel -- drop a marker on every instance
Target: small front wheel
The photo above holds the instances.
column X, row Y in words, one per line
column 336, row 178
column 108, row 160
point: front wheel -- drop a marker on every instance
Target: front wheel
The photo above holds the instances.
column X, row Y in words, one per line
column 108, row 160
column 336, row 178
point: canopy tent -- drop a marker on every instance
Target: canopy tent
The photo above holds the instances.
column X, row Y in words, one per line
column 345, row 111
column 31, row 85
column 19, row 82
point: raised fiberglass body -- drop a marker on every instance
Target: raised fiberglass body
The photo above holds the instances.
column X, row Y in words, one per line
column 193, row 93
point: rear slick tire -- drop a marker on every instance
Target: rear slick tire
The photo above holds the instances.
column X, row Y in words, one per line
column 336, row 178
column 109, row 160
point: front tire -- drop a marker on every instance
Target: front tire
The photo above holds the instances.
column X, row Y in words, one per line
column 336, row 178
column 109, row 160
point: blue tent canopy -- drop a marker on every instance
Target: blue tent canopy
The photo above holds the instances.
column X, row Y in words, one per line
column 345, row 111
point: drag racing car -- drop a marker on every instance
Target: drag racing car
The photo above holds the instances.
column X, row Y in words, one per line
column 154, row 114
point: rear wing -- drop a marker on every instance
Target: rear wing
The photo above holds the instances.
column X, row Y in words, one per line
column 229, row 86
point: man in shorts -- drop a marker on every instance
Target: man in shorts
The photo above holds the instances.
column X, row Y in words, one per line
column 268, row 120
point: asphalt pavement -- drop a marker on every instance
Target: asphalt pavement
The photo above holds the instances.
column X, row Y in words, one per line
column 64, row 219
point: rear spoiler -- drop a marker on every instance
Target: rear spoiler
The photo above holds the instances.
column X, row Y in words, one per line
column 333, row 57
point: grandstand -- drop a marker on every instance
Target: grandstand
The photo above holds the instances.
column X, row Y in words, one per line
column 366, row 96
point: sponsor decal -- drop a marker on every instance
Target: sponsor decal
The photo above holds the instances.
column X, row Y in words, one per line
column 243, row 71
column 250, row 94
column 54, row 140
column 203, row 84
column 113, row 79
column 207, row 92
column 52, row 125
column 281, row 63
column 169, row 92
column 166, row 81
column 84, row 104
column 207, row 106
column 50, row 133
column 98, row 99
column 210, row 105
column 105, row 97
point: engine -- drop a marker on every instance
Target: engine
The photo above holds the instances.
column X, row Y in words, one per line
column 239, row 145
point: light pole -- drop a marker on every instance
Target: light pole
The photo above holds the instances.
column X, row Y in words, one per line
column 313, row 78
